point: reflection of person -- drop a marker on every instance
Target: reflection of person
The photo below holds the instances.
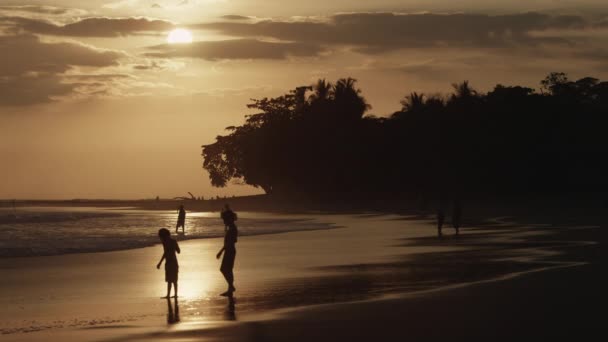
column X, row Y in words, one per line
column 170, row 246
column 229, row 249
column 230, row 313
column 181, row 219
column 172, row 316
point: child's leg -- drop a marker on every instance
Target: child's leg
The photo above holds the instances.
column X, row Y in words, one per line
column 175, row 289
column 225, row 274
column 229, row 276
column 168, row 289
column 230, row 280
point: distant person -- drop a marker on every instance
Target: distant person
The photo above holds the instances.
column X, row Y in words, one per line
column 229, row 249
column 441, row 216
column 181, row 219
column 456, row 216
column 170, row 247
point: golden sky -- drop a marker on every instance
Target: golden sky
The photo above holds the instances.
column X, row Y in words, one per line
column 95, row 103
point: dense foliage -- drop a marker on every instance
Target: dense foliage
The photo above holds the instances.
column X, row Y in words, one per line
column 317, row 141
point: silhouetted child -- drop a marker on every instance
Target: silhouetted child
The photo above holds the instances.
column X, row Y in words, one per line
column 229, row 249
column 170, row 246
column 181, row 219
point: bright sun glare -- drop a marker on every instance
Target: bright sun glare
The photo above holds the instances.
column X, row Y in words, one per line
column 179, row 36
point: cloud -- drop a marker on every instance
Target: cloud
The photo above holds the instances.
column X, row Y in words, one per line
column 379, row 32
column 27, row 53
column 156, row 64
column 90, row 27
column 17, row 91
column 42, row 13
column 151, row 66
column 164, row 4
column 33, row 71
column 36, row 9
column 235, row 49
column 225, row 92
column 235, row 17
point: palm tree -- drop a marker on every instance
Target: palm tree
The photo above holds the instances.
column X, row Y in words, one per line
column 413, row 102
column 322, row 91
column 348, row 98
column 463, row 91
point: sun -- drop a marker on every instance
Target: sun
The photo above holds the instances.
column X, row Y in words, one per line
column 179, row 36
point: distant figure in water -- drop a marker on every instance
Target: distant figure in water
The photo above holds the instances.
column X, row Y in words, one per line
column 181, row 219
column 456, row 215
column 441, row 216
column 170, row 247
column 229, row 249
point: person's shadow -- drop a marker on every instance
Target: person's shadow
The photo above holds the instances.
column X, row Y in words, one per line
column 172, row 315
column 230, row 313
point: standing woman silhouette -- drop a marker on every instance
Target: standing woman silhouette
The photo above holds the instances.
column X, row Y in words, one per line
column 181, row 219
column 229, row 249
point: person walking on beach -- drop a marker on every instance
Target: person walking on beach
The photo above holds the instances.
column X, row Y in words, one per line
column 456, row 215
column 441, row 216
column 170, row 247
column 181, row 219
column 229, row 249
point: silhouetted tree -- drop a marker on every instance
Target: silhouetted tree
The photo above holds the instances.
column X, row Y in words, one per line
column 317, row 141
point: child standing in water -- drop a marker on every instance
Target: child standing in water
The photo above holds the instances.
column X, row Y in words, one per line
column 170, row 246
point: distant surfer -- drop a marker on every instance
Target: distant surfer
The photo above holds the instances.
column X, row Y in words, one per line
column 229, row 249
column 181, row 219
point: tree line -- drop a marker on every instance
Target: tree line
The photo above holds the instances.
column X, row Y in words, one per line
column 318, row 141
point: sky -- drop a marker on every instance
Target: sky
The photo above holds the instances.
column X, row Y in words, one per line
column 96, row 103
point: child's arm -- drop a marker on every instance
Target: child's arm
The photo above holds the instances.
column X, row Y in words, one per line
column 161, row 261
column 219, row 254
column 177, row 248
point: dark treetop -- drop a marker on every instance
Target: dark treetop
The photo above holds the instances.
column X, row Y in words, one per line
column 318, row 141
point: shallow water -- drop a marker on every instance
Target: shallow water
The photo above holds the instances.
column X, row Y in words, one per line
column 372, row 256
column 39, row 231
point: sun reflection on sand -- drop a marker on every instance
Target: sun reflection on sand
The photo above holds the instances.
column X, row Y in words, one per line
column 199, row 276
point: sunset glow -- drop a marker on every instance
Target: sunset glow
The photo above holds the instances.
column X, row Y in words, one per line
column 179, row 36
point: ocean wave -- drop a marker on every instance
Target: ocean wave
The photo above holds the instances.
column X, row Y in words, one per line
column 55, row 231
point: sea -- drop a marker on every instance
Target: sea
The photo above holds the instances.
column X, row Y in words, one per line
column 41, row 231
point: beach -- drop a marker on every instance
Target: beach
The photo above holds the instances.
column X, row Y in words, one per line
column 365, row 276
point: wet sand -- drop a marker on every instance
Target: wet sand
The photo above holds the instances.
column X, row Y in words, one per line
column 115, row 296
